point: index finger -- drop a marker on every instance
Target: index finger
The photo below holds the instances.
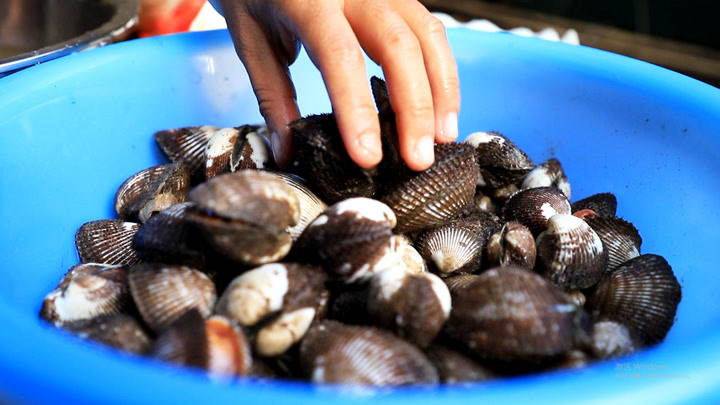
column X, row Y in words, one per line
column 334, row 49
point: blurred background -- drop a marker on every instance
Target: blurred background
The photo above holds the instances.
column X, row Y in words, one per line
column 680, row 35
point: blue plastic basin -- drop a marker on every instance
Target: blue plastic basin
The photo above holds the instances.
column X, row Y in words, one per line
column 72, row 130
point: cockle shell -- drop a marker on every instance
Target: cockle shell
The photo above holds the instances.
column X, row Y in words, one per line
column 512, row 245
column 510, row 313
column 643, row 293
column 571, row 253
column 107, row 241
column 152, row 190
column 600, row 203
column 311, row 206
column 501, row 162
column 322, row 159
column 351, row 240
column 168, row 237
column 459, row 245
column 233, row 149
column 163, row 293
column 533, row 207
column 214, row 344
column 427, row 199
column 245, row 215
column 620, row 238
column 335, row 353
column 86, row 291
column 412, row 305
column 187, row 145
column 118, row 330
column 548, row 174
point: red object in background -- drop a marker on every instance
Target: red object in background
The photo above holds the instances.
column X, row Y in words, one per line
column 158, row 17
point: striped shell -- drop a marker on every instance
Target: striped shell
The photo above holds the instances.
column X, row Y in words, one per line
column 86, row 291
column 548, row 174
column 643, row 293
column 427, row 199
column 533, row 207
column 600, row 203
column 311, row 206
column 512, row 245
column 107, row 241
column 163, row 293
column 501, row 162
column 187, row 145
column 152, row 190
column 335, row 353
column 620, row 238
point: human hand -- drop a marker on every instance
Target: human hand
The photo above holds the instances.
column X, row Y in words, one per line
column 400, row 35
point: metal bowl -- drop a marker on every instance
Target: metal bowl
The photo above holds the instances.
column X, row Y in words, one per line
column 35, row 31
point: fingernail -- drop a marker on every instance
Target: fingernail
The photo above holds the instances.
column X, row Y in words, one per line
column 276, row 146
column 449, row 127
column 425, row 151
column 369, row 144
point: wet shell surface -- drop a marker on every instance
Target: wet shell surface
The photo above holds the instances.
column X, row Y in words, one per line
column 510, row 313
column 643, row 293
column 187, row 145
column 533, row 207
column 501, row 162
column 571, row 253
column 233, row 149
column 118, row 330
column 245, row 215
column 620, row 238
column 152, row 190
column 87, row 290
column 431, row 198
column 336, row 353
column 163, row 293
column 311, row 206
column 548, row 174
column 414, row 306
column 512, row 245
column 351, row 240
column 322, row 159
column 107, row 241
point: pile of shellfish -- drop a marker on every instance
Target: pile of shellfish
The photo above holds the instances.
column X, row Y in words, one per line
column 475, row 268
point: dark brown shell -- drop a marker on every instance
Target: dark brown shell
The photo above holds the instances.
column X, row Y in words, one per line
column 601, row 203
column 512, row 245
column 459, row 245
column 107, row 241
column 611, row 338
column 163, row 293
column 351, row 240
column 214, row 344
column 510, row 313
column 414, row 306
column 620, row 238
column 434, row 197
column 233, row 149
column 187, row 145
column 548, row 174
column 152, row 190
column 642, row 293
column 454, row 367
column 120, row 331
column 501, row 162
column 533, row 207
column 168, row 237
column 323, row 160
column 570, row 253
column 245, row 215
column 335, row 353
column 86, row 291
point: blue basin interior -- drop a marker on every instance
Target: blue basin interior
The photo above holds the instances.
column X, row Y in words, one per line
column 73, row 129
